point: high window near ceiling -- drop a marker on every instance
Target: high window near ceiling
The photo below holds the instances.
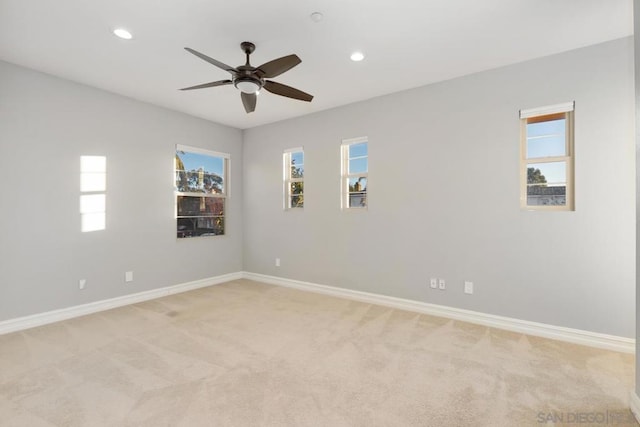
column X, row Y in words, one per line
column 201, row 190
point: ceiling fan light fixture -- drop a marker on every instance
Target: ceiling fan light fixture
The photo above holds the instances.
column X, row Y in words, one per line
column 247, row 85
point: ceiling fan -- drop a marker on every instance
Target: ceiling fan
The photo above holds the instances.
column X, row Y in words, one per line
column 249, row 80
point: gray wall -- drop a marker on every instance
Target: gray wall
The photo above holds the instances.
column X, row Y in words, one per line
column 46, row 124
column 636, row 36
column 444, row 196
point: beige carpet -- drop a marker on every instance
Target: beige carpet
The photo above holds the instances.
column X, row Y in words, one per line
column 249, row 354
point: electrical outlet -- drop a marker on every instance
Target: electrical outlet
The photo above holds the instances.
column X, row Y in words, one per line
column 82, row 283
column 128, row 276
column 277, row 262
column 468, row 287
column 442, row 285
column 434, row 282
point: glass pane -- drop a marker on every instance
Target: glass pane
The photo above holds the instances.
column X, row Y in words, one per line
column 297, row 187
column 547, row 184
column 358, row 165
column 297, row 201
column 551, row 174
column 93, row 181
column 357, row 184
column 297, row 171
column 357, row 200
column 200, row 226
column 200, row 206
column 297, row 158
column 358, row 150
column 199, row 173
column 357, row 192
column 545, row 139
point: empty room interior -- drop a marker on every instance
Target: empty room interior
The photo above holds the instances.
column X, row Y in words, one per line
column 412, row 213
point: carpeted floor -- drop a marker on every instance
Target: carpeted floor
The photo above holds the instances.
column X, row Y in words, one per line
column 249, row 354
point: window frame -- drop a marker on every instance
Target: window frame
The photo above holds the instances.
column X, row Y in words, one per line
column 539, row 115
column 288, row 180
column 224, row 195
column 345, row 175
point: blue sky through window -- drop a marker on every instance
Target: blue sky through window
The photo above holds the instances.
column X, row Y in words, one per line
column 195, row 161
column 548, row 139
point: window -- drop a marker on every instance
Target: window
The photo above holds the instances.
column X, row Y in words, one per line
column 93, row 184
column 201, row 188
column 293, row 178
column 355, row 168
column 546, row 158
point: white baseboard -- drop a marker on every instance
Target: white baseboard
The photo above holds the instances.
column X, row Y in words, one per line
column 21, row 323
column 634, row 405
column 576, row 336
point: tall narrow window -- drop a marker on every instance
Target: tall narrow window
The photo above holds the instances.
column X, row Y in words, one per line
column 547, row 158
column 201, row 187
column 355, row 170
column 293, row 178
column 93, row 185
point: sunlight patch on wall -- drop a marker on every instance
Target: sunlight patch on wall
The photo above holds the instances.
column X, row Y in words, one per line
column 93, row 184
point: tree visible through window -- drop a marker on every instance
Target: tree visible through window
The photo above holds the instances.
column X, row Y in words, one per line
column 294, row 178
column 201, row 191
column 355, row 172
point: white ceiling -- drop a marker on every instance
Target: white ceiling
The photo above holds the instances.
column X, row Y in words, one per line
column 408, row 43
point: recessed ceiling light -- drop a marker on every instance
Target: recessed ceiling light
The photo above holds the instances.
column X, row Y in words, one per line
column 357, row 56
column 122, row 33
column 316, row 16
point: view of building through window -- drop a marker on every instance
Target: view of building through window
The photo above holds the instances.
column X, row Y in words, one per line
column 200, row 185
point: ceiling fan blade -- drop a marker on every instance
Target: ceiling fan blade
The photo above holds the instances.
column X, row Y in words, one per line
column 288, row 91
column 212, row 61
column 249, row 101
column 278, row 66
column 212, row 84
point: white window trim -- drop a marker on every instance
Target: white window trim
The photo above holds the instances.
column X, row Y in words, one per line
column 344, row 175
column 288, row 180
column 564, row 107
column 568, row 158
